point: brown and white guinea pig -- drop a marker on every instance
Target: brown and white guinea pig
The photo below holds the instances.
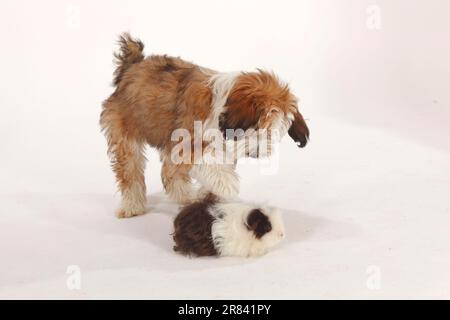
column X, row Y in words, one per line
column 210, row 227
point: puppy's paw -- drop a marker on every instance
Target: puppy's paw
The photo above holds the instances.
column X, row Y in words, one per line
column 227, row 187
column 185, row 199
column 181, row 192
column 221, row 180
column 128, row 213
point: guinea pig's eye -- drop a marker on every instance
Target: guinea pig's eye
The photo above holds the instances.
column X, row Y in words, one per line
column 268, row 228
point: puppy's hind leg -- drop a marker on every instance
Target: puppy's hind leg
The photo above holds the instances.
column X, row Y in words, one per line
column 128, row 163
column 129, row 166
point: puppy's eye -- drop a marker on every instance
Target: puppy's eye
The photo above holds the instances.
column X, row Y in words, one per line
column 274, row 110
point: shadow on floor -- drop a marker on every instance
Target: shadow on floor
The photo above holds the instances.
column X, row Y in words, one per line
column 95, row 214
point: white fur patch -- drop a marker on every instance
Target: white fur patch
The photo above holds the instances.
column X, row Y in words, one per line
column 133, row 201
column 221, row 180
column 221, row 85
column 217, row 177
column 280, row 126
column 231, row 236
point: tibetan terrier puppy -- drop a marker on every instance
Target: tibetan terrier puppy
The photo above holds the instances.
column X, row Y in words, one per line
column 158, row 99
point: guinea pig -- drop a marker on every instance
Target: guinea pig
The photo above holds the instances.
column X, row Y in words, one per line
column 210, row 227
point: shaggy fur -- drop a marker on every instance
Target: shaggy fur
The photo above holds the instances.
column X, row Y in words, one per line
column 245, row 230
column 210, row 227
column 192, row 226
column 155, row 95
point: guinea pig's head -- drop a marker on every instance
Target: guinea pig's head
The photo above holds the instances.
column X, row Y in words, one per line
column 266, row 225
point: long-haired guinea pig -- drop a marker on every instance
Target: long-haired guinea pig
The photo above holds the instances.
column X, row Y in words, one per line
column 209, row 227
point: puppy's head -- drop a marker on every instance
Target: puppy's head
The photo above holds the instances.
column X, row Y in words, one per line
column 259, row 100
column 266, row 226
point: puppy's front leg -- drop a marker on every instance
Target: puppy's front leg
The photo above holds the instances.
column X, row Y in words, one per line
column 220, row 179
column 177, row 182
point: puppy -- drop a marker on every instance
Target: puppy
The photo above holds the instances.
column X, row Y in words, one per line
column 210, row 227
column 158, row 97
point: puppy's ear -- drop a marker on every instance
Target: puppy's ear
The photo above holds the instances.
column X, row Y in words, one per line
column 238, row 120
column 259, row 223
column 299, row 131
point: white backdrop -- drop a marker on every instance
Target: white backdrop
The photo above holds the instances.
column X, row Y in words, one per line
column 367, row 202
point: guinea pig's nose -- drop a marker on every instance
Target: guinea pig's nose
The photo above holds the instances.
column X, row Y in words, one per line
column 281, row 234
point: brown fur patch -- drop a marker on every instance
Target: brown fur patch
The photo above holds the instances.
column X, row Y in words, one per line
column 193, row 224
column 254, row 95
column 130, row 52
column 299, row 131
column 259, row 223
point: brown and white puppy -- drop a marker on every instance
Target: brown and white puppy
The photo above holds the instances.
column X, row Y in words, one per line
column 210, row 227
column 156, row 95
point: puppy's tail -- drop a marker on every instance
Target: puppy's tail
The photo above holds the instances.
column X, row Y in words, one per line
column 130, row 52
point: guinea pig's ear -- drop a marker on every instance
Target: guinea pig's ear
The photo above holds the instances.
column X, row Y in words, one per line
column 259, row 223
column 299, row 131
